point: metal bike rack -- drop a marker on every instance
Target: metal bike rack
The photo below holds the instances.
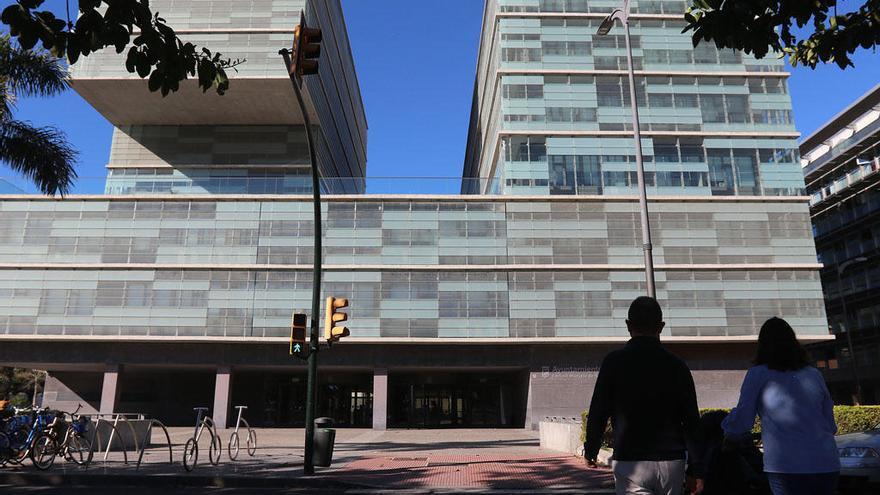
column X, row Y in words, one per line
column 147, row 438
column 123, row 417
column 97, row 436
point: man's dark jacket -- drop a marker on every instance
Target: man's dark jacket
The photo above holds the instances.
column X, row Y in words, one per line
column 649, row 396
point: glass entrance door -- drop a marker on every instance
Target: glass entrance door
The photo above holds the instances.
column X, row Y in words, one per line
column 450, row 401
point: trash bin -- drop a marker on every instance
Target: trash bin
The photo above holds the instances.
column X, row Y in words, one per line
column 325, row 438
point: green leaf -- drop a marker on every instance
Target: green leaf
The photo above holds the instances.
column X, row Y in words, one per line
column 156, row 79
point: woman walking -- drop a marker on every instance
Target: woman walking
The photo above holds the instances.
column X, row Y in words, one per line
column 797, row 417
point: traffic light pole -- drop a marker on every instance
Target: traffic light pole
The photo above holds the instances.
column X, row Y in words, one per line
column 311, row 387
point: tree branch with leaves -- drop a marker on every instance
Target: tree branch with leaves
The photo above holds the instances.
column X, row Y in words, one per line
column 154, row 49
column 42, row 154
column 759, row 27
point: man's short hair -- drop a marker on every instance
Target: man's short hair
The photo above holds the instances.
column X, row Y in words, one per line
column 645, row 314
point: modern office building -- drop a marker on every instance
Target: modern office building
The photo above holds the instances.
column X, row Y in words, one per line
column 491, row 308
column 250, row 140
column 841, row 163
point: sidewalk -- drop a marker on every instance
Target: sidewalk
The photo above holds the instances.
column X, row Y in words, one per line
column 472, row 460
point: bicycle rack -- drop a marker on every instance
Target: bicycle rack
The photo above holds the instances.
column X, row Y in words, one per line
column 123, row 417
column 147, row 438
column 97, row 436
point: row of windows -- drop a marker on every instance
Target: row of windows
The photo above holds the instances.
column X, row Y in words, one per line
column 666, row 150
column 584, row 6
column 701, row 54
column 756, row 85
column 556, row 115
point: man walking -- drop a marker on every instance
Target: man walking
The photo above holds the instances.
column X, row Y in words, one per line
column 649, row 396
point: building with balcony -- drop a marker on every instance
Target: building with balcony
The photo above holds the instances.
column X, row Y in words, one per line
column 250, row 140
column 551, row 109
column 841, row 164
column 491, row 308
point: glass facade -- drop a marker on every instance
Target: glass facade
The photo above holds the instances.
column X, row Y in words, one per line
column 429, row 268
column 552, row 111
column 226, row 149
column 842, row 168
column 202, row 248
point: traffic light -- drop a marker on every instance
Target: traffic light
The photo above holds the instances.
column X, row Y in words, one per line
column 299, row 337
column 306, row 49
column 332, row 332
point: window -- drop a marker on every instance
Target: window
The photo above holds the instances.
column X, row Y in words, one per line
column 656, row 56
column 525, row 149
column 705, row 53
column 615, row 179
column 589, row 175
column 712, row 107
column 668, row 179
column 521, row 54
column 681, row 56
column 737, row 109
column 685, row 101
column 608, row 91
column 729, row 56
column 665, row 152
column 565, row 114
column 656, row 100
column 553, row 48
column 695, row 179
column 562, row 175
column 523, row 91
column 746, row 171
column 720, row 172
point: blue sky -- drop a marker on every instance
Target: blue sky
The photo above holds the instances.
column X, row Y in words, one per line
column 416, row 68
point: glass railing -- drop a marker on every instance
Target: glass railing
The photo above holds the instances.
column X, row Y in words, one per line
column 842, row 147
column 163, row 185
column 169, row 185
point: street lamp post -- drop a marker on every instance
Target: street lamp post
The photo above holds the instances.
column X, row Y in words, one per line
column 622, row 14
column 857, row 397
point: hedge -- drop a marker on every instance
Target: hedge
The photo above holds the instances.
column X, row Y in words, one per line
column 850, row 419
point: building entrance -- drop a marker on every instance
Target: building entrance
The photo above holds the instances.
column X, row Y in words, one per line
column 456, row 400
column 278, row 399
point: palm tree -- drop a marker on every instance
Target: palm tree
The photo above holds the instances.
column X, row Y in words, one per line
column 42, row 154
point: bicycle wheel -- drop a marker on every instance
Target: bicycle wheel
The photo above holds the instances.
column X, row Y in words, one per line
column 18, row 439
column 5, row 449
column 77, row 450
column 43, row 452
column 251, row 442
column 215, row 450
column 233, row 446
column 190, row 454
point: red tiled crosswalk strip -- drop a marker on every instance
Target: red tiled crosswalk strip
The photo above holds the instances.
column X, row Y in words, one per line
column 475, row 471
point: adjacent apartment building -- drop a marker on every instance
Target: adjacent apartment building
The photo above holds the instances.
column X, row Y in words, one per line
column 841, row 163
column 491, row 308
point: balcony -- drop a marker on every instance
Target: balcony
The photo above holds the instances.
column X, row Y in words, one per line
column 254, row 101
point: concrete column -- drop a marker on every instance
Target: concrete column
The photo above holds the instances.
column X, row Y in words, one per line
column 380, row 399
column 221, row 396
column 110, row 389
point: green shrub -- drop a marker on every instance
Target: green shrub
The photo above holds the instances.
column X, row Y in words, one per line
column 20, row 400
column 609, row 435
column 850, row 419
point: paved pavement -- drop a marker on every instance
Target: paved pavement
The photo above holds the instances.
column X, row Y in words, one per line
column 365, row 461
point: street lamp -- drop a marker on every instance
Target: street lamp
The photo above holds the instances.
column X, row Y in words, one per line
column 857, row 397
column 622, row 14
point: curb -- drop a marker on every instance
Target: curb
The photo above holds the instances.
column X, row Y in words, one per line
column 172, row 480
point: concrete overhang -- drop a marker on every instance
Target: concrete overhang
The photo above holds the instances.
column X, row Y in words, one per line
column 251, row 101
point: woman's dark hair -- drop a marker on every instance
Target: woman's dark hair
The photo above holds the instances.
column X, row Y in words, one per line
column 778, row 347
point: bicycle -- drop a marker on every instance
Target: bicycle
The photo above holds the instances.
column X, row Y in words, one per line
column 74, row 446
column 251, row 444
column 29, row 437
column 191, row 449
